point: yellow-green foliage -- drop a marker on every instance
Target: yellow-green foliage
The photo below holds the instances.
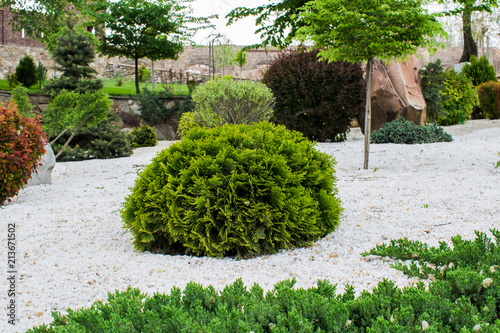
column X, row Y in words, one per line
column 186, row 123
column 234, row 190
column 144, row 136
column 224, row 101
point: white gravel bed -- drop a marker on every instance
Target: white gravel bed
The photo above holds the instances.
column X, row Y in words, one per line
column 72, row 249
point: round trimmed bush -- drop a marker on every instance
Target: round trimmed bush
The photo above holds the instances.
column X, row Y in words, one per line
column 489, row 99
column 234, row 190
column 144, row 136
column 21, row 146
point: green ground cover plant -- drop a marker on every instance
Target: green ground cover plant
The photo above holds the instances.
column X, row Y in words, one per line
column 234, row 190
column 463, row 296
column 405, row 131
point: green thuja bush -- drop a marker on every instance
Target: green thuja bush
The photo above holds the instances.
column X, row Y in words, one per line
column 26, row 72
column 462, row 296
column 317, row 98
column 21, row 146
column 144, row 136
column 224, row 101
column 186, row 123
column 459, row 98
column 480, row 71
column 432, row 84
column 405, row 131
column 234, row 190
column 143, row 73
column 489, row 99
column 21, row 98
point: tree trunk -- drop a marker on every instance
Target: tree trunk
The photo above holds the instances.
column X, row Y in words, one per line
column 368, row 110
column 470, row 47
column 137, row 89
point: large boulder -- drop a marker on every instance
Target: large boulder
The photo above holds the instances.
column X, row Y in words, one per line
column 43, row 173
column 396, row 92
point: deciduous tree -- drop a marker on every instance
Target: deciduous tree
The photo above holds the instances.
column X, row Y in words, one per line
column 139, row 29
column 364, row 30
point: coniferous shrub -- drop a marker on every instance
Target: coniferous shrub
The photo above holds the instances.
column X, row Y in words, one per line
column 102, row 141
column 12, row 80
column 489, row 99
column 480, row 71
column 405, row 131
column 26, row 71
column 315, row 97
column 459, row 98
column 234, row 190
column 186, row 123
column 152, row 107
column 227, row 101
column 432, row 84
column 21, row 146
column 21, row 98
column 41, row 74
column 144, row 136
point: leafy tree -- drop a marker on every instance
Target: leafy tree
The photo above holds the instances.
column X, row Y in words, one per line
column 70, row 111
column 240, row 59
column 283, row 15
column 466, row 8
column 42, row 19
column 224, row 56
column 142, row 29
column 362, row 30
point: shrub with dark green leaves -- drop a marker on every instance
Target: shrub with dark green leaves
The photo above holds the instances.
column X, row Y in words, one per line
column 480, row 71
column 234, row 190
column 102, row 141
column 489, row 99
column 226, row 101
column 144, row 136
column 153, row 109
column 26, row 72
column 459, row 98
column 317, row 98
column 432, row 84
column 21, row 146
column 186, row 123
column 405, row 131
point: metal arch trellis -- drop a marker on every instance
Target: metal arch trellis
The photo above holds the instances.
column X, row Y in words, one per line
column 213, row 40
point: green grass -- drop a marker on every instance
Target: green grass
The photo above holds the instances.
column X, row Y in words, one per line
column 127, row 89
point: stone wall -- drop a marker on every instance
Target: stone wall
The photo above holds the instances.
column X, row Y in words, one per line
column 124, row 106
column 7, row 36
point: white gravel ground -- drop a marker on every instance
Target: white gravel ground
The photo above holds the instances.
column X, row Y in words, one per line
column 72, row 249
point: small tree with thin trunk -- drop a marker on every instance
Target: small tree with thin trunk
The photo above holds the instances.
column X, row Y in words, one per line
column 364, row 30
column 240, row 59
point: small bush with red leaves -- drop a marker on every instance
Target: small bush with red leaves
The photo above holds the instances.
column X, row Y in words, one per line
column 21, row 146
column 315, row 97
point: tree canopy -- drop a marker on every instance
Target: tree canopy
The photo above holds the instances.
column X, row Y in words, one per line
column 139, row 29
column 364, row 30
column 278, row 21
column 43, row 18
column 465, row 8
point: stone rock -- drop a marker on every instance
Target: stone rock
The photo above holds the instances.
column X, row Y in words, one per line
column 396, row 92
column 43, row 173
column 129, row 119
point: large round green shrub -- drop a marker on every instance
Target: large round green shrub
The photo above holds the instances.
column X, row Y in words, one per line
column 26, row 71
column 459, row 98
column 234, row 190
column 227, row 101
column 480, row 71
column 489, row 99
column 144, row 136
column 316, row 98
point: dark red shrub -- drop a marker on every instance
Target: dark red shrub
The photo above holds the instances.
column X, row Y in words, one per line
column 21, row 146
column 315, row 97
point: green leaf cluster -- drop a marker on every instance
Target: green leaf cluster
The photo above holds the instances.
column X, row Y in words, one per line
column 144, row 73
column 102, row 141
column 405, row 131
column 227, row 101
column 432, row 84
column 459, row 98
column 463, row 296
column 26, row 71
column 479, row 71
column 144, row 136
column 234, row 190
column 489, row 99
column 153, row 107
column 21, row 98
column 186, row 123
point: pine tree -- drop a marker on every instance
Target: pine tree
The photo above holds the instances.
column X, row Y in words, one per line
column 73, row 51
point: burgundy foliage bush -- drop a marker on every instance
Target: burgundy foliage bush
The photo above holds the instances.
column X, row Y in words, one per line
column 315, row 97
